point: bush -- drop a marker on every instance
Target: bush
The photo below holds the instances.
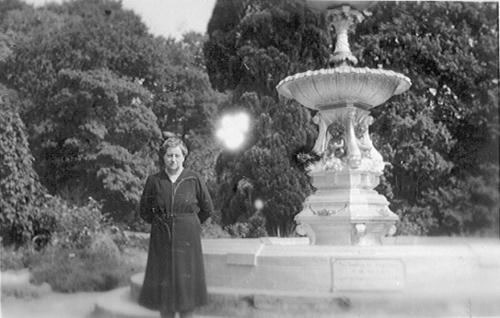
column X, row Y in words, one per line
column 254, row 226
column 137, row 240
column 99, row 267
column 84, row 251
column 210, row 229
column 103, row 246
column 239, row 229
column 13, row 259
column 138, row 225
column 74, row 227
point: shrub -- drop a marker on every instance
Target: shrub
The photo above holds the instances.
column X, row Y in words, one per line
column 98, row 267
column 137, row 240
column 239, row 229
column 76, row 226
column 138, row 225
column 210, row 229
column 13, row 259
column 254, row 226
column 103, row 246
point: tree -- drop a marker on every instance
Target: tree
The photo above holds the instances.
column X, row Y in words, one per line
column 442, row 136
column 253, row 45
column 90, row 35
column 97, row 90
column 96, row 137
column 20, row 189
column 182, row 97
column 439, row 137
column 266, row 168
column 88, row 116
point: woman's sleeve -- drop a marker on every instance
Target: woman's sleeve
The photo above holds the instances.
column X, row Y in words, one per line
column 204, row 201
column 146, row 203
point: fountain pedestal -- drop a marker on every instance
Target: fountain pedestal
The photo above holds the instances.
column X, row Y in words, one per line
column 345, row 210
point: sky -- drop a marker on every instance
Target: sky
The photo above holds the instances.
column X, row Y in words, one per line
column 166, row 17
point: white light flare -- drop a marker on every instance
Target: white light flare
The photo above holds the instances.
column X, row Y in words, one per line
column 258, row 204
column 232, row 130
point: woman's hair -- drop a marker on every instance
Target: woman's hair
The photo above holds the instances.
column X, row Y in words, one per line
column 171, row 142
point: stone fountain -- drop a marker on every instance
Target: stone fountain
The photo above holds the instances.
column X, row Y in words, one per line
column 352, row 268
column 345, row 210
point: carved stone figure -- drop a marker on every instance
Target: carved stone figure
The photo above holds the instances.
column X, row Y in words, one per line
column 323, row 137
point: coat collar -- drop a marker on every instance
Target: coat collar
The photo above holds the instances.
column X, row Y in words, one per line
column 185, row 173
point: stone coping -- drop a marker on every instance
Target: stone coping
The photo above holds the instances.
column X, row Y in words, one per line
column 245, row 252
column 387, row 241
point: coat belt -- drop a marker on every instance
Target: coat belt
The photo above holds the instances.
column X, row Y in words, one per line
column 167, row 220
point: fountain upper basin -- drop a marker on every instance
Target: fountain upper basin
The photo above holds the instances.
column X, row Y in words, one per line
column 327, row 88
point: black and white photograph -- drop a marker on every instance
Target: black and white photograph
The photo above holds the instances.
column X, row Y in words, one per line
column 249, row 159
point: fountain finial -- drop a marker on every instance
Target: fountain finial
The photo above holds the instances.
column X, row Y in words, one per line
column 340, row 17
column 339, row 21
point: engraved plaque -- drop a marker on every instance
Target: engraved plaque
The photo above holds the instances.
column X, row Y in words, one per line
column 359, row 274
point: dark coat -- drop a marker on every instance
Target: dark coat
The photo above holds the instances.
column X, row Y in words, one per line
column 175, row 275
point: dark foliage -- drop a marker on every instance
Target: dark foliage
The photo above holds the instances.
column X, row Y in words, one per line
column 96, row 91
column 440, row 138
column 20, row 190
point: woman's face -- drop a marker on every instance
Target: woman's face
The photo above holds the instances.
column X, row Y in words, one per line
column 173, row 159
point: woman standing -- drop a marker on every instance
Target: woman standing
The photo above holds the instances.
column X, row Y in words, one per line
column 175, row 201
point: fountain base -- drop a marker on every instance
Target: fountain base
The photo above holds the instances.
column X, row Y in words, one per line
column 286, row 277
column 345, row 210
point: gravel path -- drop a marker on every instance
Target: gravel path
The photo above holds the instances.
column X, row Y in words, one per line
column 50, row 305
column 20, row 299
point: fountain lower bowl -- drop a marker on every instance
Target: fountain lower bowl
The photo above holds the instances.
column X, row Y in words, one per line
column 327, row 88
